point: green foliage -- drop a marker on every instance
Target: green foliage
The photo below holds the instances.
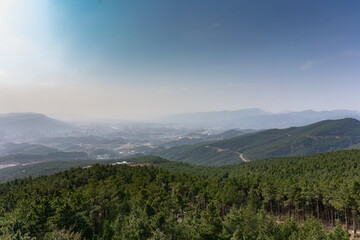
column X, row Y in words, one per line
column 63, row 234
column 311, row 229
column 266, row 199
column 325, row 136
column 339, row 234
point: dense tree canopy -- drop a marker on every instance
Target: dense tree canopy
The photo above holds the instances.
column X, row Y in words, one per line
column 284, row 198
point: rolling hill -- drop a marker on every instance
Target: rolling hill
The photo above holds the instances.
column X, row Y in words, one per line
column 27, row 159
column 25, row 148
column 247, row 200
column 23, row 123
column 324, row 136
column 255, row 118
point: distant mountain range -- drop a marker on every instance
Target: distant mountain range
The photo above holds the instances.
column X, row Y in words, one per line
column 95, row 140
column 24, row 123
column 206, row 138
column 324, row 136
column 24, row 159
column 25, row 148
column 255, row 118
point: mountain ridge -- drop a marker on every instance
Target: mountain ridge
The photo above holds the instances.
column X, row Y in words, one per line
column 323, row 136
column 255, row 118
column 20, row 123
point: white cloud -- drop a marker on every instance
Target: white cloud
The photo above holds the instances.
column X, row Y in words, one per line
column 2, row 72
column 11, row 45
column 214, row 25
column 30, row 54
column 352, row 53
column 308, row 65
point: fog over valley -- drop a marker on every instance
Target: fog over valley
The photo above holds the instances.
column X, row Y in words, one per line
column 179, row 119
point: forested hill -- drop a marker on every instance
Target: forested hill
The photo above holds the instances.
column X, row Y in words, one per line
column 255, row 118
column 21, row 123
column 324, row 136
column 179, row 201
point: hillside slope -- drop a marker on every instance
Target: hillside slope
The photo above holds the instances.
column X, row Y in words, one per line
column 178, row 201
column 256, row 118
column 20, row 123
column 324, row 136
column 24, row 148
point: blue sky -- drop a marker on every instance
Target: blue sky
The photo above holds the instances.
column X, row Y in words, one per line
column 146, row 58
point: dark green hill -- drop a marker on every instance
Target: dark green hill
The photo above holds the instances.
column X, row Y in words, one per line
column 324, row 136
column 19, row 159
column 25, row 148
column 207, row 138
column 267, row 199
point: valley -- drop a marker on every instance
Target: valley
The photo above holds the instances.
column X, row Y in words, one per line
column 179, row 120
column 324, row 136
column 197, row 181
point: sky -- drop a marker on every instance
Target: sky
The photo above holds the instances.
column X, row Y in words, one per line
column 126, row 59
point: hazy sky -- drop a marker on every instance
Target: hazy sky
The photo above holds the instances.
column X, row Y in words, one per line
column 145, row 58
